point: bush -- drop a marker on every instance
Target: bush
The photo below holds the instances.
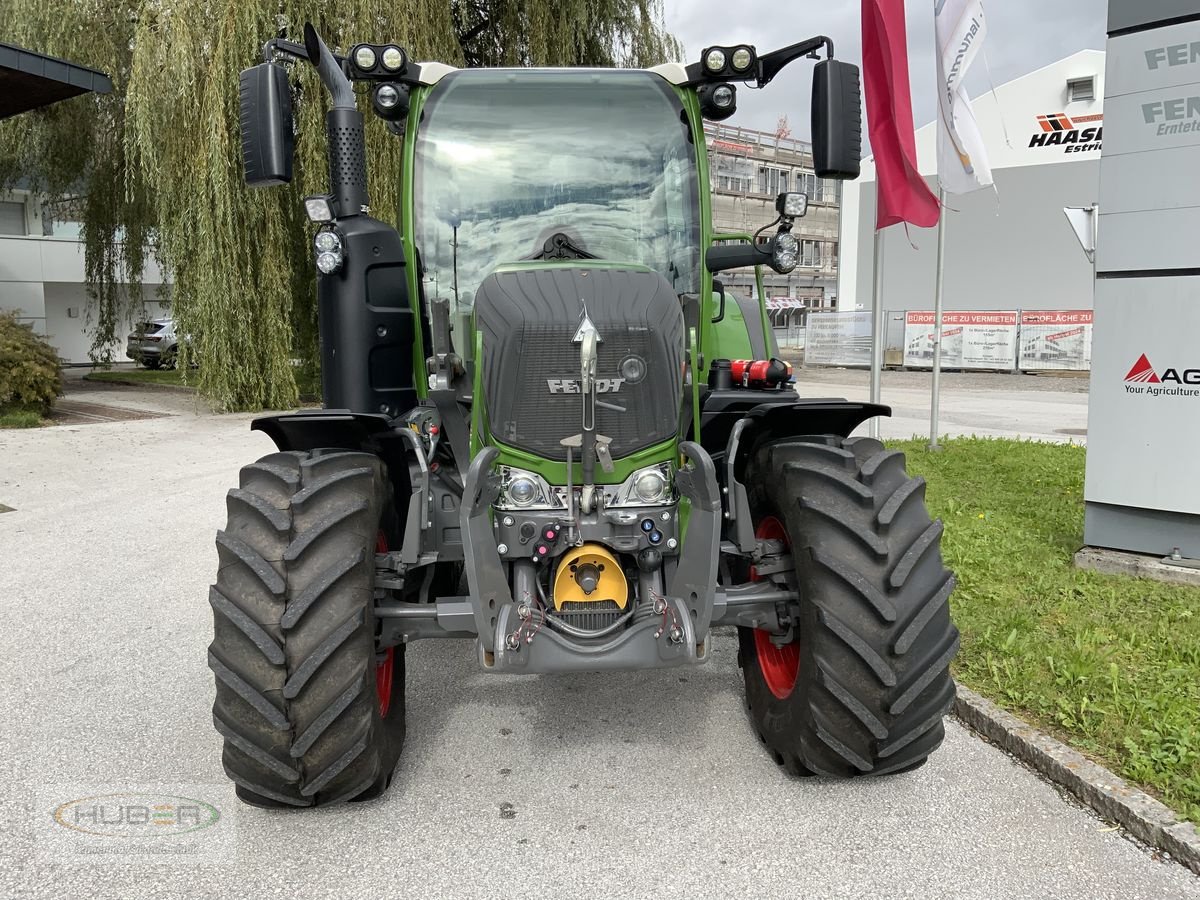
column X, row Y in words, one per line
column 29, row 373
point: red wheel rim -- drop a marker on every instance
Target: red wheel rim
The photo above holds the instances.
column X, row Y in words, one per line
column 383, row 670
column 779, row 665
column 383, row 680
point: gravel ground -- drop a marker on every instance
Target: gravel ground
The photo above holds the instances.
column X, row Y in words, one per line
column 622, row 785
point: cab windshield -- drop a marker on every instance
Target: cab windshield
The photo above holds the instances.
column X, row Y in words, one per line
column 507, row 159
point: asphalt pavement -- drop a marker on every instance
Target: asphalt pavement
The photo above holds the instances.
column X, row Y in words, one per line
column 621, row 785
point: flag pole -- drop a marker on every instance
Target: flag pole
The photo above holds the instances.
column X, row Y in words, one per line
column 877, row 327
column 936, row 398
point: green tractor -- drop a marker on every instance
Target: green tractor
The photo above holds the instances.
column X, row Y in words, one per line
column 546, row 431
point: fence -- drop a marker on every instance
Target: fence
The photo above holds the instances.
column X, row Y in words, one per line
column 1006, row 340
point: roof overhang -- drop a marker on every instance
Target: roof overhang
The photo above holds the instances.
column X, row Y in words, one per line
column 30, row 80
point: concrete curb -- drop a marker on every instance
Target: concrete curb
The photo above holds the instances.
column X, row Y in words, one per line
column 1114, row 799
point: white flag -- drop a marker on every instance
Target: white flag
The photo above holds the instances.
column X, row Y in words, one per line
column 962, row 161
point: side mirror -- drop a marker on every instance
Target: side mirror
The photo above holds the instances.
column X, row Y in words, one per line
column 836, row 120
column 718, row 288
column 268, row 136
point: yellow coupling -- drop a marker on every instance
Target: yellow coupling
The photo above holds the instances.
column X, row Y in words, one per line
column 587, row 574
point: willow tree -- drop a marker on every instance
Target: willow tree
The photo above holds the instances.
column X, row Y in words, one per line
column 155, row 166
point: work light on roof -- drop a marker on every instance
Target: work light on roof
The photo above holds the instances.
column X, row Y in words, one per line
column 392, row 58
column 365, row 57
column 742, row 58
column 715, row 59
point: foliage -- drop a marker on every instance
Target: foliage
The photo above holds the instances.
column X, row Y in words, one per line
column 20, row 416
column 29, row 374
column 157, row 162
column 1111, row 663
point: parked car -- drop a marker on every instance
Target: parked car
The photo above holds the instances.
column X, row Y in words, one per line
column 153, row 344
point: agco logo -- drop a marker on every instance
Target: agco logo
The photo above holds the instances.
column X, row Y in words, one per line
column 1057, row 129
column 571, row 385
column 1144, row 379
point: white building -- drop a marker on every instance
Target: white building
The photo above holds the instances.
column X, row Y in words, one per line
column 42, row 278
column 1010, row 249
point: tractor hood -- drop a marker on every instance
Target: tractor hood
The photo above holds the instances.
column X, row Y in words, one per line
column 529, row 317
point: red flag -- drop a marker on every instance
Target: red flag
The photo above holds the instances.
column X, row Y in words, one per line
column 902, row 192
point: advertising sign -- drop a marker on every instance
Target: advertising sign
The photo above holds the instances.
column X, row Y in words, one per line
column 1056, row 339
column 970, row 340
column 838, row 339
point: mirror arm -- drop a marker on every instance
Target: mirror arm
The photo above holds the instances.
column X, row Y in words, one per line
column 286, row 48
column 770, row 64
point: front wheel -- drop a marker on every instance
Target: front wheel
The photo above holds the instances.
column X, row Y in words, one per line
column 311, row 711
column 863, row 683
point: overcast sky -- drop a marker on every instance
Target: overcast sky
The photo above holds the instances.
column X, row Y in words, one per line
column 1023, row 35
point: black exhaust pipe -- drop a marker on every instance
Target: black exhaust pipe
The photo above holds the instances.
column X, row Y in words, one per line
column 366, row 321
column 344, row 127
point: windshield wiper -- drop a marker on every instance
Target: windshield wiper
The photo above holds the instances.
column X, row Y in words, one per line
column 560, row 246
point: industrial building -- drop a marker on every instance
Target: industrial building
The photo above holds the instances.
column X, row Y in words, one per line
column 748, row 170
column 1007, row 249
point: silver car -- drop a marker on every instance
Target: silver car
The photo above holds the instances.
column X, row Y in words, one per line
column 153, row 344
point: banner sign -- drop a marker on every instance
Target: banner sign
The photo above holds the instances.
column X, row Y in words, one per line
column 970, row 340
column 838, row 339
column 786, row 303
column 1056, row 339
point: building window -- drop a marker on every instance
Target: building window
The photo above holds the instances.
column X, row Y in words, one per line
column 772, row 181
column 1081, row 90
column 12, row 217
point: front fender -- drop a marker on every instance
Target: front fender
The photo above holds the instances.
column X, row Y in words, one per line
column 310, row 429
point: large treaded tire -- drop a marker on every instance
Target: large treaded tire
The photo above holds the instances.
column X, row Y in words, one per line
column 874, row 634
column 293, row 650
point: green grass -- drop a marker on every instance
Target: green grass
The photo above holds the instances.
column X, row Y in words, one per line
column 20, row 417
column 1110, row 664
column 140, row 376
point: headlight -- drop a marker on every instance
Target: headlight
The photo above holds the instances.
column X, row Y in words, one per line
column 327, row 242
column 328, row 263
column 714, row 61
column 651, row 486
column 393, row 58
column 524, row 490
column 723, row 96
column 387, row 96
column 786, row 254
column 364, row 57
column 742, row 57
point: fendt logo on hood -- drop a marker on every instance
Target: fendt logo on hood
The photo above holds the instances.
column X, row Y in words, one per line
column 1144, row 379
column 571, row 385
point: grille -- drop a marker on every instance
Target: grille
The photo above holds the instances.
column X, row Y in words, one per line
column 540, row 418
column 592, row 616
column 530, row 359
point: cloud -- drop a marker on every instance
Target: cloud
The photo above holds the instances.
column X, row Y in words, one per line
column 1024, row 35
